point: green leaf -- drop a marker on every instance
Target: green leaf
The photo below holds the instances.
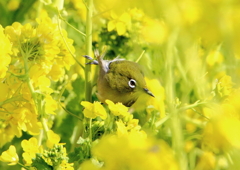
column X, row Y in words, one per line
column 39, row 163
column 66, row 129
column 23, row 9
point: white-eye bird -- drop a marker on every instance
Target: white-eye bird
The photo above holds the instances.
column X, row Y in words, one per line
column 119, row 80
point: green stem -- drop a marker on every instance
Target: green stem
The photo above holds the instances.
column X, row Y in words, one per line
column 88, row 83
column 175, row 118
column 25, row 167
column 39, row 8
column 64, row 20
column 40, row 137
column 38, row 104
column 44, row 123
column 162, row 121
column 65, row 42
column 139, row 58
column 59, row 4
column 13, row 99
column 90, row 130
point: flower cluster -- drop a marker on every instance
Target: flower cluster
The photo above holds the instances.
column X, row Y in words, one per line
column 189, row 53
column 129, row 141
column 33, row 56
column 133, row 152
column 37, row 157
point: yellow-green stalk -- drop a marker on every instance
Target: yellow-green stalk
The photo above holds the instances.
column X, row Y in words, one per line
column 175, row 118
column 88, row 83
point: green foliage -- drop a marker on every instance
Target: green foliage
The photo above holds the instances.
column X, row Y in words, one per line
column 118, row 45
column 39, row 163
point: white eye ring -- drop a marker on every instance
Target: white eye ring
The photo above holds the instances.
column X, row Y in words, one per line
column 132, row 83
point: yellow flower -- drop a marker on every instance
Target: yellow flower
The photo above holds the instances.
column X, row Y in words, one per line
column 47, row 56
column 30, row 145
column 136, row 14
column 190, row 10
column 50, row 105
column 153, row 103
column 125, row 147
column 23, row 119
column 10, row 156
column 43, row 83
column 133, row 125
column 207, row 161
column 6, row 135
column 189, row 146
column 66, row 166
column 89, row 165
column 81, row 9
column 37, row 71
column 132, row 151
column 232, row 103
column 214, row 57
column 121, row 23
column 224, row 86
column 117, row 109
column 220, row 134
column 128, row 125
column 92, row 110
column 56, row 72
column 5, row 51
column 25, row 92
column 30, row 148
column 28, row 156
column 42, row 45
column 53, row 139
column 106, row 7
column 28, row 43
column 64, row 57
column 121, row 128
column 154, row 31
column 158, row 101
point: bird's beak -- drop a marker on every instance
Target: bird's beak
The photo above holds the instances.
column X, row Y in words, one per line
column 148, row 92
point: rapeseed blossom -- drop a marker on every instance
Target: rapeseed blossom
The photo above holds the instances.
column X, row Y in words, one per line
column 27, row 73
column 220, row 133
column 5, row 48
column 54, row 155
column 117, row 109
column 214, row 57
column 121, row 23
column 154, row 103
column 133, row 152
column 53, row 139
column 23, row 120
column 154, row 31
column 10, row 156
column 30, row 148
column 92, row 110
column 189, row 53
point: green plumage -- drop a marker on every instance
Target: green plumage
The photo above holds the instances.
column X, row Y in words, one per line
column 119, row 80
column 119, row 74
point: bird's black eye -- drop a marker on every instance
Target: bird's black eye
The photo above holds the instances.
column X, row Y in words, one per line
column 132, row 83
